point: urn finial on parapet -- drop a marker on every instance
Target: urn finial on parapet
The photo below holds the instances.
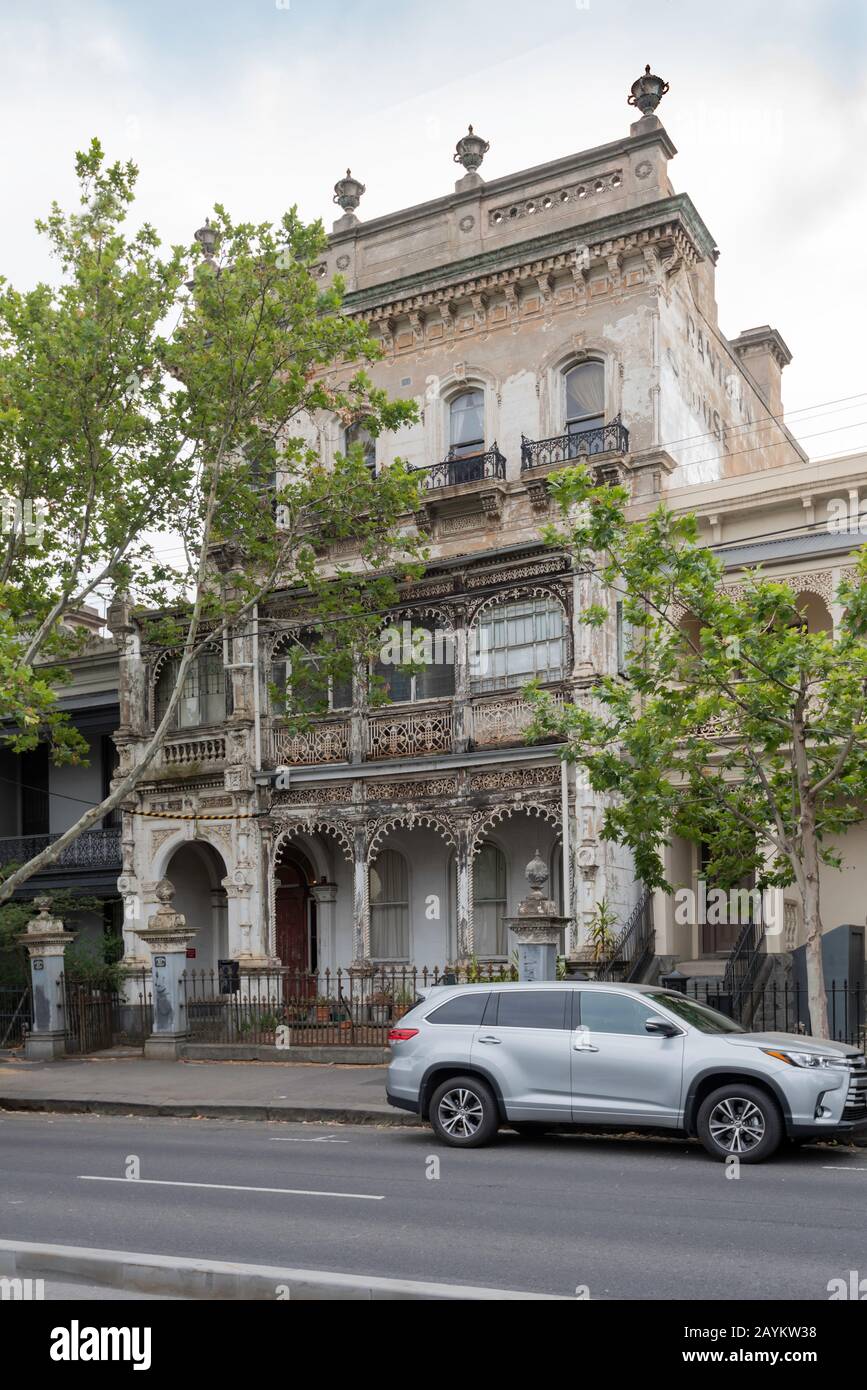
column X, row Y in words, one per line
column 164, row 892
column 206, row 236
column 348, row 192
column 470, row 151
column 647, row 92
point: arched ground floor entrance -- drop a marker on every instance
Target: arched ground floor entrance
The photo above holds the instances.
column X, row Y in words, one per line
column 197, row 871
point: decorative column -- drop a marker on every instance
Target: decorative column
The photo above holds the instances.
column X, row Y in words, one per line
column 167, row 936
column 359, row 900
column 46, row 940
column 464, row 868
column 537, row 927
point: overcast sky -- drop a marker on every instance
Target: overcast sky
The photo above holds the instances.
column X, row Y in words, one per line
column 262, row 103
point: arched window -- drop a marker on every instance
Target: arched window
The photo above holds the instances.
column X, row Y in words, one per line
column 489, row 902
column 360, row 434
column 467, row 424
column 518, row 640
column 585, row 397
column 300, row 685
column 205, row 694
column 389, row 907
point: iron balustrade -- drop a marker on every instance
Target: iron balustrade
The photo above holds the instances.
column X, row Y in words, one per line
column 633, row 947
column 93, row 849
column 474, row 468
column 612, row 438
column 743, row 963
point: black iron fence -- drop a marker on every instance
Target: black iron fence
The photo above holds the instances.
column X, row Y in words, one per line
column 15, row 1015
column 289, row 1008
column 96, row 1018
column 784, row 1008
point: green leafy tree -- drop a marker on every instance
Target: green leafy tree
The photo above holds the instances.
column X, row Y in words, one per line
column 735, row 726
column 206, row 446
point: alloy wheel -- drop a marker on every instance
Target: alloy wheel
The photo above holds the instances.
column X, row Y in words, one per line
column 460, row 1113
column 737, row 1125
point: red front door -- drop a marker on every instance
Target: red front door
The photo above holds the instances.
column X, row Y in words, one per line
column 292, row 930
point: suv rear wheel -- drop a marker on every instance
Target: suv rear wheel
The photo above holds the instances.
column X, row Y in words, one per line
column 463, row 1112
column 740, row 1121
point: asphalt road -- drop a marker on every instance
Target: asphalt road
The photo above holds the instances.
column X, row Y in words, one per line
column 644, row 1219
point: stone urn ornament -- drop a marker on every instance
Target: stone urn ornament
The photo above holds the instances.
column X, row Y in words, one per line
column 470, row 151
column 348, row 192
column 647, row 92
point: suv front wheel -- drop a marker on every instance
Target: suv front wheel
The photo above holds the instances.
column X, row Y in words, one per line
column 740, row 1121
column 463, row 1113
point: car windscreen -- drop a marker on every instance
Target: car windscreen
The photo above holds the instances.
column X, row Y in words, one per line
column 700, row 1016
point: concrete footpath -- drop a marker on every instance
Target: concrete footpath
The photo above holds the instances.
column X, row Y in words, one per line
column 130, row 1085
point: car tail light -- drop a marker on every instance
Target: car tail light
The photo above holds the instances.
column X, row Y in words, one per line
column 401, row 1034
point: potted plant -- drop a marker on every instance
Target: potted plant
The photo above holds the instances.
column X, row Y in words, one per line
column 323, row 1008
column 403, row 1002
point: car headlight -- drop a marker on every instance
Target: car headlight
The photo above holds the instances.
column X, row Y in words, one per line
column 811, row 1060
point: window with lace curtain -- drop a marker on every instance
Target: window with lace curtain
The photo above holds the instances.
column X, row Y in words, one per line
column 360, row 434
column 205, row 698
column 389, row 907
column 585, row 397
column 467, row 424
column 489, row 902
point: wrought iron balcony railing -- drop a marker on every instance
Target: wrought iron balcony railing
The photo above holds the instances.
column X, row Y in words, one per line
column 612, row 438
column 94, row 849
column 472, row 468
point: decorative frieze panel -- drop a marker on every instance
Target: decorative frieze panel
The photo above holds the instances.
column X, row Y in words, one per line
column 505, row 576
column 331, row 794
column 413, row 791
column 503, row 721
column 396, row 736
column 321, row 743
column 506, row 779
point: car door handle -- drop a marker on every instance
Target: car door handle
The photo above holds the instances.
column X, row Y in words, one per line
column 490, row 1039
column 585, row 1047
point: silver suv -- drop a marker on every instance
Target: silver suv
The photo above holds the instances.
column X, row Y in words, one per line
column 470, row 1058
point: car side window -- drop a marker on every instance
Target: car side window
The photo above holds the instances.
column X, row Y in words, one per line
column 604, row 1012
column 464, row 1008
column 533, row 1008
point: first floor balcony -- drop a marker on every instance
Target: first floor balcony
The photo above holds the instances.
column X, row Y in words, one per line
column 575, row 446
column 457, row 468
column 423, row 729
column 92, row 862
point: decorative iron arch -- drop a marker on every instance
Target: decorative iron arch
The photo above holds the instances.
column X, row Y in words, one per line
column 516, row 595
column 409, row 819
column 339, row 830
column 484, row 820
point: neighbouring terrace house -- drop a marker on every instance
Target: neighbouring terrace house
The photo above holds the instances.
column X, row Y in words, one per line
column 559, row 313
column 39, row 800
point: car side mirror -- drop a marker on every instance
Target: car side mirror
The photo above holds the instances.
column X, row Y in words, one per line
column 659, row 1028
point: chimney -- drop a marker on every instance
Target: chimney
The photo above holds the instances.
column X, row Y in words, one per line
column 763, row 355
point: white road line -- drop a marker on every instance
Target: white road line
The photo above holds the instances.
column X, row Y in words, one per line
column 841, row 1168
column 232, row 1187
column 282, row 1139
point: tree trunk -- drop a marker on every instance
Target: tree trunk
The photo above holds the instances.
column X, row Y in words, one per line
column 816, row 996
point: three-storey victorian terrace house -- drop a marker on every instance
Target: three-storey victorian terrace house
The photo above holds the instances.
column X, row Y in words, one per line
column 560, row 313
